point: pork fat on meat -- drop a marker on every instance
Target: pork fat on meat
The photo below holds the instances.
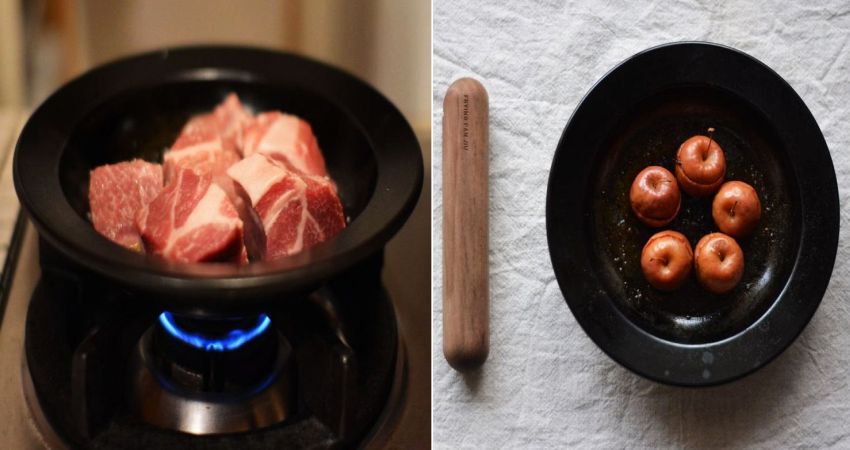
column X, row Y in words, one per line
column 192, row 220
column 285, row 211
column 285, row 138
column 209, row 143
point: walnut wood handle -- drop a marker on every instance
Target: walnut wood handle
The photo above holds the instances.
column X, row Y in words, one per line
column 466, row 334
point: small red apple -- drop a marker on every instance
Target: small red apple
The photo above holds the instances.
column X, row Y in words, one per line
column 666, row 260
column 719, row 262
column 736, row 209
column 655, row 196
column 700, row 166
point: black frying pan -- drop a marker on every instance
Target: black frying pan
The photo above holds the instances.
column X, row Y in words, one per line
column 637, row 115
column 135, row 107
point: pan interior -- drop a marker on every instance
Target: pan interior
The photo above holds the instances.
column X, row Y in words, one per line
column 650, row 134
column 143, row 123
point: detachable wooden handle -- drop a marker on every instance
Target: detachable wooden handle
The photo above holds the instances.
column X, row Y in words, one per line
column 466, row 329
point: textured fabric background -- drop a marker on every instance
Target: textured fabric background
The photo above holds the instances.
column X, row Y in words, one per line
column 546, row 384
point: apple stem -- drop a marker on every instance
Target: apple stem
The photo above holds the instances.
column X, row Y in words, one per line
column 710, row 133
column 732, row 211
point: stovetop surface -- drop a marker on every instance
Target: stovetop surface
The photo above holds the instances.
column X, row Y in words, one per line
column 24, row 429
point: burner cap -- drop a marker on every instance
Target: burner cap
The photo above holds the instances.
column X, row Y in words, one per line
column 211, row 388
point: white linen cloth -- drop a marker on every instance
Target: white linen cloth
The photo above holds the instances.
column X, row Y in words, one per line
column 546, row 384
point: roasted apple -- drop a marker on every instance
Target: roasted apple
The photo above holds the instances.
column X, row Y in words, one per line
column 736, row 209
column 655, row 196
column 666, row 260
column 719, row 262
column 700, row 166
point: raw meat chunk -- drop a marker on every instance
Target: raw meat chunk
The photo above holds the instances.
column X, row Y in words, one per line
column 116, row 193
column 286, row 138
column 212, row 162
column 210, row 143
column 285, row 211
column 231, row 117
column 216, row 206
column 192, row 220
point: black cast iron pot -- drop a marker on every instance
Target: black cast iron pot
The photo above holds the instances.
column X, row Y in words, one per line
column 135, row 107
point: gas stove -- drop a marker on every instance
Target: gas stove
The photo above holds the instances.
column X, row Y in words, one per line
column 87, row 366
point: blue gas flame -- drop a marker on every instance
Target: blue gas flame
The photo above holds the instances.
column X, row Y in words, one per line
column 232, row 341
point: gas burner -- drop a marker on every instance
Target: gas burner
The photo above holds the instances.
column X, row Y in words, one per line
column 224, row 379
column 231, row 339
column 109, row 370
column 233, row 356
